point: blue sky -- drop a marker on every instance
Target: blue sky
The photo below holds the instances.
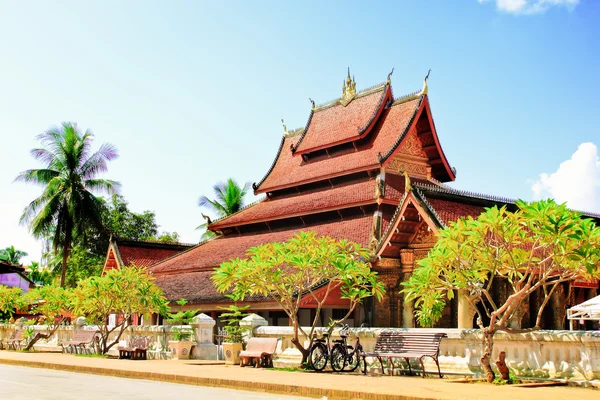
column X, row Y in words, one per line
column 193, row 92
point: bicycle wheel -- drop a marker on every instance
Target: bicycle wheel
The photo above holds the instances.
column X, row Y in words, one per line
column 318, row 357
column 338, row 358
column 354, row 360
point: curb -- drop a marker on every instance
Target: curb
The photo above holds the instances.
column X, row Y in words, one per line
column 264, row 387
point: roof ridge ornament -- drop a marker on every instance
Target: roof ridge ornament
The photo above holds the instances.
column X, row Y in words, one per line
column 389, row 78
column 313, row 103
column 285, row 131
column 348, row 90
column 425, row 89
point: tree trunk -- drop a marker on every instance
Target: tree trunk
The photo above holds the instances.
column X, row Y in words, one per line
column 488, row 347
column 41, row 335
column 296, row 341
column 501, row 364
column 304, row 351
column 65, row 256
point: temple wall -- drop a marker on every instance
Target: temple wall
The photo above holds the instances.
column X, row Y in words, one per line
column 545, row 354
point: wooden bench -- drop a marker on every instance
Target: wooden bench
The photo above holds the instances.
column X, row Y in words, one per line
column 136, row 348
column 406, row 345
column 260, row 351
column 80, row 338
column 15, row 339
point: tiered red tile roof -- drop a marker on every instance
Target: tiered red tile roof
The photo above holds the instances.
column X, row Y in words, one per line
column 212, row 253
column 340, row 196
column 140, row 253
column 289, row 170
column 336, row 124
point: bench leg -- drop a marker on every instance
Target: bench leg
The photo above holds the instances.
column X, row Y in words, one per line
column 437, row 362
column 409, row 368
column 393, row 366
column 422, row 366
column 382, row 367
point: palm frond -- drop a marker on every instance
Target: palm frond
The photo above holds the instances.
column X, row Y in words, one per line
column 37, row 176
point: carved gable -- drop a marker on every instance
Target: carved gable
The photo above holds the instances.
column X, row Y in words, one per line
column 424, row 235
column 411, row 145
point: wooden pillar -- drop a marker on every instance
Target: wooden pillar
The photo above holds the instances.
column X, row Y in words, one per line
column 407, row 257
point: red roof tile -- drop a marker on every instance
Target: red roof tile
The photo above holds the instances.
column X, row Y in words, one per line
column 340, row 124
column 309, row 202
column 450, row 211
column 144, row 254
column 212, row 253
column 289, row 170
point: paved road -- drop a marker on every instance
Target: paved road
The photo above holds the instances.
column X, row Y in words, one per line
column 44, row 384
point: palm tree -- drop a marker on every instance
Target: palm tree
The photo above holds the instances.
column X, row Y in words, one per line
column 66, row 206
column 229, row 200
column 12, row 255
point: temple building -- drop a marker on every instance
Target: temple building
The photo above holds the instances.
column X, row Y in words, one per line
column 368, row 167
column 127, row 253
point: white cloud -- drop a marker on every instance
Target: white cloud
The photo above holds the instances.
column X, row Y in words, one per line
column 577, row 181
column 531, row 6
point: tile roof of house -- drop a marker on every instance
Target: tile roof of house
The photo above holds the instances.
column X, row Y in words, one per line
column 212, row 253
column 310, row 202
column 336, row 124
column 289, row 170
column 144, row 253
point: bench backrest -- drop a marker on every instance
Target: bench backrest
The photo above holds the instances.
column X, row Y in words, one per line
column 84, row 335
column 142, row 342
column 262, row 345
column 409, row 342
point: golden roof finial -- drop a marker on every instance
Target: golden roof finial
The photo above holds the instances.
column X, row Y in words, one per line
column 425, row 90
column 389, row 79
column 348, row 89
column 407, row 185
column 284, row 127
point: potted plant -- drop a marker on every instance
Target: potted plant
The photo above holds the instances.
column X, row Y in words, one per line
column 181, row 345
column 234, row 341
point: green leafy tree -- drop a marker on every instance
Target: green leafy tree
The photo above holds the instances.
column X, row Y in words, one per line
column 181, row 318
column 67, row 206
column 304, row 266
column 535, row 249
column 126, row 224
column 11, row 299
column 232, row 318
column 123, row 292
column 52, row 304
column 12, row 255
column 167, row 237
column 83, row 263
column 229, row 199
column 41, row 276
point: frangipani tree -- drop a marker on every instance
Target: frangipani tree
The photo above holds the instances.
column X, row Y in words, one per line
column 11, row 299
column 535, row 248
column 305, row 266
column 53, row 304
column 121, row 292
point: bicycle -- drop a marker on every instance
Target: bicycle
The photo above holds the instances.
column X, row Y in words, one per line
column 320, row 351
column 345, row 357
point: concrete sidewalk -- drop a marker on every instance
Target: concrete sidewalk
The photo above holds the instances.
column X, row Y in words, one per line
column 316, row 385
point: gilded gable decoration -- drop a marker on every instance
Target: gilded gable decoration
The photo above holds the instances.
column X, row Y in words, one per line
column 348, row 90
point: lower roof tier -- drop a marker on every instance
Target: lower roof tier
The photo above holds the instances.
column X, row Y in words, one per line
column 210, row 254
column 329, row 195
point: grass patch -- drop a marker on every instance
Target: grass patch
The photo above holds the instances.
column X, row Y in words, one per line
column 92, row 355
column 290, row 369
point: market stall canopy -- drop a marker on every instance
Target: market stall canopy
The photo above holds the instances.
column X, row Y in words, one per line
column 587, row 311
